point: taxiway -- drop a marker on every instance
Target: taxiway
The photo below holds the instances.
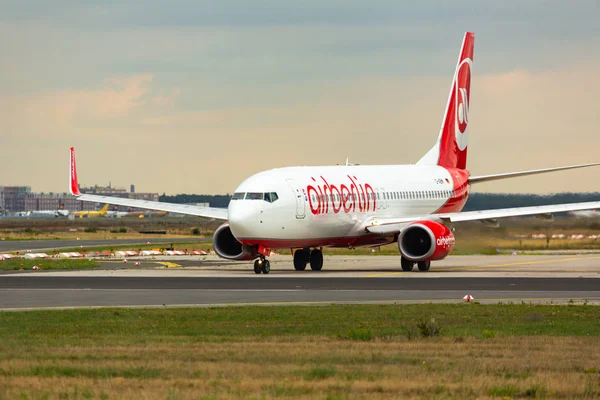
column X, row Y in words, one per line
column 208, row 281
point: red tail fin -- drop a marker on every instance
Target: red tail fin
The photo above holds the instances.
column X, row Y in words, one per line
column 450, row 149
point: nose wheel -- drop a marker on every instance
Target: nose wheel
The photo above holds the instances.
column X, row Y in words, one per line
column 262, row 265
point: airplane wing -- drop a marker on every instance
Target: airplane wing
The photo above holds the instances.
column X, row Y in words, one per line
column 495, row 177
column 390, row 225
column 207, row 212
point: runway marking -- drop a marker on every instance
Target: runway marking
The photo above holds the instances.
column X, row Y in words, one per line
column 168, row 264
column 480, row 267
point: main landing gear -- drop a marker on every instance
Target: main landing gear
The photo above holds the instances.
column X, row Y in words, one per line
column 408, row 265
column 302, row 257
column 262, row 265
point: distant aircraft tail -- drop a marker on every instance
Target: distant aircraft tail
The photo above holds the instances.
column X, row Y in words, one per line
column 450, row 150
column 104, row 209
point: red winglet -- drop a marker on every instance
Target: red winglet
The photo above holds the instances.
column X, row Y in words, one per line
column 74, row 184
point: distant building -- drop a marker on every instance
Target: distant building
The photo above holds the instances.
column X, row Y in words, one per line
column 144, row 196
column 119, row 192
column 105, row 191
column 13, row 198
column 56, row 201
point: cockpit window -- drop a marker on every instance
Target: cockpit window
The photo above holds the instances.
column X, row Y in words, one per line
column 271, row 197
column 268, row 197
column 255, row 196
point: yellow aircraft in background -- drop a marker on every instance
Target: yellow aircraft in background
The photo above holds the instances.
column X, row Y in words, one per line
column 91, row 214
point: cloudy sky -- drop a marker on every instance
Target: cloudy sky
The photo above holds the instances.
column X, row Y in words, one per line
column 192, row 96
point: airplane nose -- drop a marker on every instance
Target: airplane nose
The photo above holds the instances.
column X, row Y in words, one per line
column 242, row 218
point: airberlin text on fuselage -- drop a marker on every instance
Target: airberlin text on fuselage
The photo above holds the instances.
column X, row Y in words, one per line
column 324, row 197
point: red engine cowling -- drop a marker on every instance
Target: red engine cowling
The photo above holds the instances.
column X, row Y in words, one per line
column 426, row 240
column 227, row 246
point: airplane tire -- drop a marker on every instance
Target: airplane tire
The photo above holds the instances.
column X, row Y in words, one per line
column 424, row 265
column 300, row 260
column 407, row 265
column 316, row 260
column 257, row 267
column 266, row 267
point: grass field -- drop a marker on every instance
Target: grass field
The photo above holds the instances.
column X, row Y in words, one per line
column 47, row 264
column 409, row 351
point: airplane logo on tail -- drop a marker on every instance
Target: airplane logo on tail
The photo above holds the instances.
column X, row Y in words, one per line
column 462, row 94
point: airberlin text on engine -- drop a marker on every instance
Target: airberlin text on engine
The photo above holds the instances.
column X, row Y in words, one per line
column 351, row 196
column 446, row 241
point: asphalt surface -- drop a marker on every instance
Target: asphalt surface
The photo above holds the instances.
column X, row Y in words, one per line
column 15, row 299
column 262, row 282
column 208, row 281
column 34, row 245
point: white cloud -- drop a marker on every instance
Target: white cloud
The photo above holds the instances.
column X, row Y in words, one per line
column 65, row 109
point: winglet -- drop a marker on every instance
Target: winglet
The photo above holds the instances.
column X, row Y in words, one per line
column 73, row 183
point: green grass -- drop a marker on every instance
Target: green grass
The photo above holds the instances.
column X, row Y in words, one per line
column 86, row 372
column 351, row 322
column 320, row 372
column 47, row 264
column 342, row 351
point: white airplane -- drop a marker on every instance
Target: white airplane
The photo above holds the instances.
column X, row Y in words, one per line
column 585, row 213
column 308, row 208
column 58, row 213
column 115, row 213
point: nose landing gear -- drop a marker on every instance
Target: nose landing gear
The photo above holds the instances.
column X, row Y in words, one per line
column 262, row 265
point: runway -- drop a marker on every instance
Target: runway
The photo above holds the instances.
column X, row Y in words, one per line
column 207, row 281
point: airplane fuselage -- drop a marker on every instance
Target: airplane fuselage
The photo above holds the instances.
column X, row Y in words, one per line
column 337, row 202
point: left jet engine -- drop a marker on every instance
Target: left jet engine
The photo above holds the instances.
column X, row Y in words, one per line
column 227, row 246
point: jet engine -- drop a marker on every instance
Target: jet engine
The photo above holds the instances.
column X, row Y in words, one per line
column 426, row 240
column 227, row 246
